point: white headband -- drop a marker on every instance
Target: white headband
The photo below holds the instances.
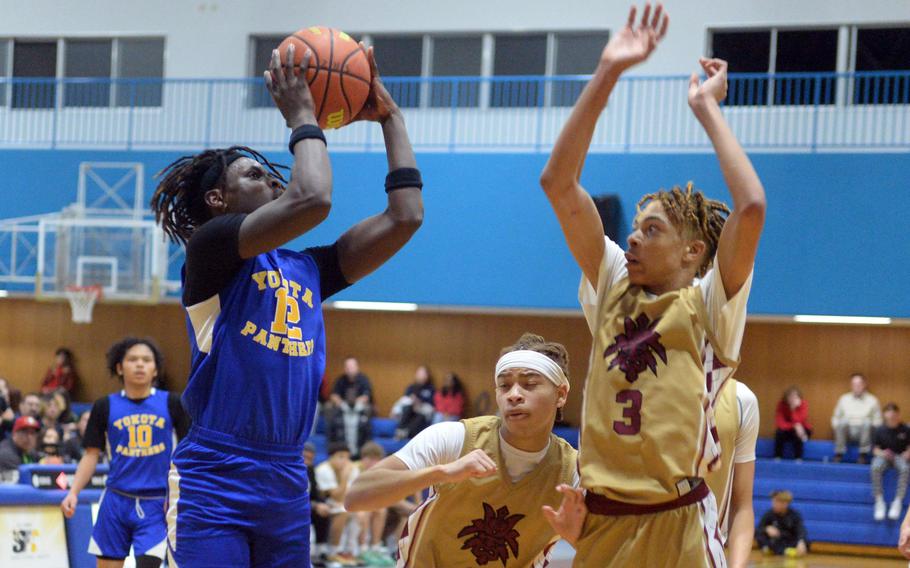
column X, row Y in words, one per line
column 525, row 359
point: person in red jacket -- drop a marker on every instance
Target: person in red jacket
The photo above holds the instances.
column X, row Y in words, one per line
column 792, row 418
column 62, row 375
column 449, row 400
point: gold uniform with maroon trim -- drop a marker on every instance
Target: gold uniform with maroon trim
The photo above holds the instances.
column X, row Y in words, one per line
column 491, row 521
column 728, row 419
column 647, row 435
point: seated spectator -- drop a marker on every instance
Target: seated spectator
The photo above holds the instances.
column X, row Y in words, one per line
column 350, row 408
column 62, row 374
column 7, row 413
column 332, row 479
column 72, row 449
column 52, row 412
column 372, row 523
column 19, row 449
column 781, row 530
column 49, row 447
column 31, row 406
column 890, row 449
column 792, row 417
column 449, row 400
column 415, row 408
column 856, row 414
column 320, row 511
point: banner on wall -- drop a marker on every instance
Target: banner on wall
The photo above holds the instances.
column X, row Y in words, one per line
column 32, row 537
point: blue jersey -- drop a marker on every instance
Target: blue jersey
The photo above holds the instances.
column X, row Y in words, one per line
column 140, row 439
column 258, row 354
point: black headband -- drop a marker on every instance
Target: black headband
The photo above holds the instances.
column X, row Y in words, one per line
column 217, row 169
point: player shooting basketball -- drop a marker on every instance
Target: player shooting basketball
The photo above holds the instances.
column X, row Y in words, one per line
column 238, row 484
column 668, row 316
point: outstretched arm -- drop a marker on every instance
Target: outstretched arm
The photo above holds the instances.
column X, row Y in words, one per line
column 390, row 480
column 574, row 208
column 373, row 241
column 739, row 238
column 308, row 197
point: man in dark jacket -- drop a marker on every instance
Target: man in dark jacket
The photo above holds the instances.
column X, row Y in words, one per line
column 19, row 448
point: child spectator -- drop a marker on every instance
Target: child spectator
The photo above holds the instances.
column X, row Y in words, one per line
column 792, row 418
column 781, row 530
column 890, row 448
column 449, row 400
column 62, row 374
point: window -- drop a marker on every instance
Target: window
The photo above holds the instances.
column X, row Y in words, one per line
column 87, row 59
column 745, row 52
column 805, row 51
column 518, row 55
column 576, row 54
column 401, row 56
column 4, row 69
column 456, row 57
column 140, row 59
column 34, row 60
column 882, row 49
column 262, row 56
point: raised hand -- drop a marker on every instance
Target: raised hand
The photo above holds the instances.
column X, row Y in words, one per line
column 476, row 464
column 291, row 92
column 570, row 518
column 632, row 45
column 379, row 104
column 715, row 86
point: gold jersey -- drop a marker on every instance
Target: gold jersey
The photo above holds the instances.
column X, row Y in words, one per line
column 491, row 521
column 647, row 423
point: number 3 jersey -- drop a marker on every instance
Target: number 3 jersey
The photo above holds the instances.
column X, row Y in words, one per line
column 656, row 368
column 139, row 436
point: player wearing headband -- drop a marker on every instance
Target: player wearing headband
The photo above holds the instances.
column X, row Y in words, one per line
column 238, row 484
column 489, row 477
column 668, row 318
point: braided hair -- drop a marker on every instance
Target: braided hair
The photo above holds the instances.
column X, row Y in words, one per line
column 693, row 214
column 179, row 200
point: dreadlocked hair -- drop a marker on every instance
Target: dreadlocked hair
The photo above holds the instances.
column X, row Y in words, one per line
column 179, row 200
column 693, row 214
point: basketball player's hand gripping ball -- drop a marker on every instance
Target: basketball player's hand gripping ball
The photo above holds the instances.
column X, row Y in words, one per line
column 379, row 104
column 291, row 93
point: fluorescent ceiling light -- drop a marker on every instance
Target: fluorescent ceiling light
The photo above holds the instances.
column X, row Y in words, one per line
column 854, row 320
column 380, row 306
column 4, row 293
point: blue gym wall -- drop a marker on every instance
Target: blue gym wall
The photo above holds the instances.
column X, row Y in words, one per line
column 835, row 240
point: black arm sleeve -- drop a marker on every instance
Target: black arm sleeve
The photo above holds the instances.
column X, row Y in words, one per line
column 212, row 258
column 179, row 416
column 331, row 280
column 96, row 430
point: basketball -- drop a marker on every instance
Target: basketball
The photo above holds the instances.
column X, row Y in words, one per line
column 338, row 73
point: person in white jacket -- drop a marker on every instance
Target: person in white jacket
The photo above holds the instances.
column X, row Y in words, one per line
column 857, row 413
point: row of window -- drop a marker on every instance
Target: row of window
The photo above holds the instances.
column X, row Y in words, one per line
column 758, row 51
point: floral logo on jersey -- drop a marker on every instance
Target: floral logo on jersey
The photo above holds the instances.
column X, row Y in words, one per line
column 635, row 349
column 493, row 536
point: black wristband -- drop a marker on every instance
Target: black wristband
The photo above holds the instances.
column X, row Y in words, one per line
column 304, row 132
column 403, row 177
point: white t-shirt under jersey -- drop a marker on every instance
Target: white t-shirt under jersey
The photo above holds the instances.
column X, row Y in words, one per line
column 442, row 443
column 728, row 317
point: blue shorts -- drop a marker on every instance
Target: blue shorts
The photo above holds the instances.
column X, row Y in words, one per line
column 123, row 521
column 231, row 506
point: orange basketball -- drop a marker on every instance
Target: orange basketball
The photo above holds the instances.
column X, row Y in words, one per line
column 338, row 73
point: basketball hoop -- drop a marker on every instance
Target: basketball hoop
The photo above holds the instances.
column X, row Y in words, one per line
column 82, row 299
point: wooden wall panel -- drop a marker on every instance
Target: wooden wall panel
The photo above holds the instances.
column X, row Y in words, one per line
column 390, row 346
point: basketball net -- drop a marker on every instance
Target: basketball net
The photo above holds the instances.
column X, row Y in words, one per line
column 82, row 299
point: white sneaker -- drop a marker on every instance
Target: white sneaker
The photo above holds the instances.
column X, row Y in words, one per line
column 879, row 514
column 894, row 511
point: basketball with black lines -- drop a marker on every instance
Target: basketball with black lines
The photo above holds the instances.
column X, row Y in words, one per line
column 338, row 73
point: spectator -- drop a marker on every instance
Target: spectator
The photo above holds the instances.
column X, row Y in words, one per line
column 7, row 414
column 19, row 449
column 49, row 448
column 372, row 523
column 320, row 511
column 890, row 448
column 52, row 412
column 62, row 374
column 781, row 530
column 351, row 403
column 856, row 414
column 415, row 408
column 332, row 479
column 449, row 400
column 792, row 417
column 31, row 406
column 72, row 450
